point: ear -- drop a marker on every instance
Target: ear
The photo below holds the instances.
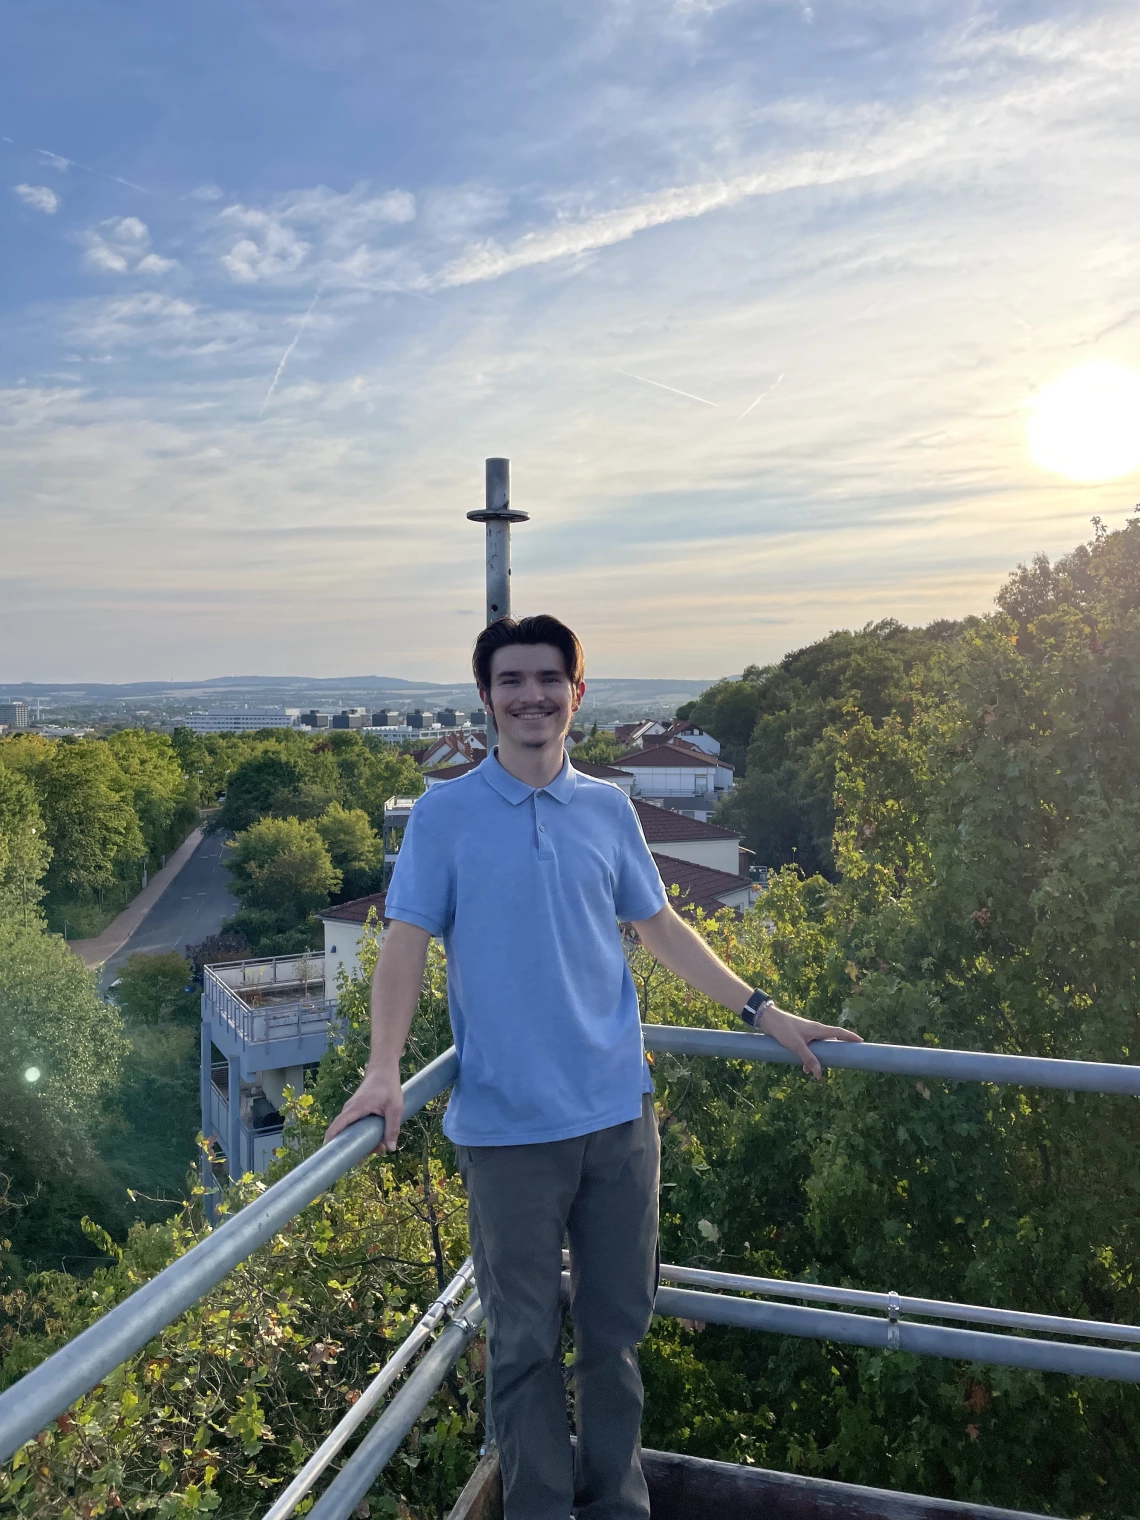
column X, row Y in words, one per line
column 576, row 699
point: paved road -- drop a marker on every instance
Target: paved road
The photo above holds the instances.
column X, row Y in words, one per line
column 194, row 905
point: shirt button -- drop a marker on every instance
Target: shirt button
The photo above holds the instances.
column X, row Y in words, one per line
column 542, row 828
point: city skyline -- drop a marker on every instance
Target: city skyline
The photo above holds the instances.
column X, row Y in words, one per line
column 758, row 298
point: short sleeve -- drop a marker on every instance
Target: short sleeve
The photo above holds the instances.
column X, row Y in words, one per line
column 422, row 889
column 639, row 892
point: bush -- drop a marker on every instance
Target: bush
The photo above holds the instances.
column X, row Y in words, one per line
column 155, row 989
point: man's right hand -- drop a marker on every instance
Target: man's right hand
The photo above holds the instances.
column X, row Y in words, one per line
column 379, row 1093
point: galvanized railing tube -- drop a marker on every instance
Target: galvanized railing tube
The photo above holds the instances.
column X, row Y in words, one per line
column 343, row 1431
column 902, row 1060
column 54, row 1385
column 926, row 1308
column 893, row 1334
column 382, row 1442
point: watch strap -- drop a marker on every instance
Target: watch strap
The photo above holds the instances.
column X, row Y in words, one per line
column 753, row 1010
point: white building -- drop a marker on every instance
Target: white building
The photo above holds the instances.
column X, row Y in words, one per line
column 244, row 720
column 344, row 926
column 677, row 775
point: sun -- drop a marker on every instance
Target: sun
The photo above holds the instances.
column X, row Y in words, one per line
column 1086, row 425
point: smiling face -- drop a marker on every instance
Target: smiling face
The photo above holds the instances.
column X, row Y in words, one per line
column 531, row 698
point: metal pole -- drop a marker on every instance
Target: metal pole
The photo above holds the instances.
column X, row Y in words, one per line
column 382, row 1442
column 288, row 1501
column 903, row 1060
column 498, row 515
column 926, row 1340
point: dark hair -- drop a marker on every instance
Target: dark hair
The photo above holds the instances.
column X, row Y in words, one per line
column 542, row 629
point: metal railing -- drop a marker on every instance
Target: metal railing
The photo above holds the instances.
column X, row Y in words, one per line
column 259, row 1024
column 49, row 1389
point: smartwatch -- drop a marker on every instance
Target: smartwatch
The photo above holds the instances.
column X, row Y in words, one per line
column 753, row 1010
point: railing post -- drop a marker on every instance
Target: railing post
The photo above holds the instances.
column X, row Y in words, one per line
column 233, row 1125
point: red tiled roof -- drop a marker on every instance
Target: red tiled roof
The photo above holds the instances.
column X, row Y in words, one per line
column 449, row 772
column 599, row 772
column 662, row 825
column 673, row 754
column 356, row 911
column 700, row 886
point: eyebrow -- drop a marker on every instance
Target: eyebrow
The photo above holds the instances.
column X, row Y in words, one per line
column 550, row 670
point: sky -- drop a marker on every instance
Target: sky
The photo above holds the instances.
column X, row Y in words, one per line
column 758, row 298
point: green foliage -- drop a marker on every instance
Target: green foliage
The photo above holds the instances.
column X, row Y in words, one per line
column 24, row 850
column 222, row 1408
column 777, row 726
column 356, row 850
column 53, row 1022
column 282, row 866
column 598, row 749
column 289, row 775
column 164, row 800
column 155, row 989
column 92, row 827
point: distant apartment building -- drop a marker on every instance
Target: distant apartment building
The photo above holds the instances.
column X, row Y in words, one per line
column 315, row 719
column 419, row 719
column 351, row 717
column 478, row 718
column 243, row 721
column 385, row 718
column 14, row 714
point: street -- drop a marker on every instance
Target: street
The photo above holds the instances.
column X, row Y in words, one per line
column 193, row 906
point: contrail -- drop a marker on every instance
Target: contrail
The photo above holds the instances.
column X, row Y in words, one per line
column 673, row 388
column 759, row 398
column 285, row 356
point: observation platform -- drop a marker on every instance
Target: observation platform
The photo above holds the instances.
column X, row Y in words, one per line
column 263, row 1022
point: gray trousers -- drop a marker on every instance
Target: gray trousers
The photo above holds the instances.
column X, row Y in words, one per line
column 523, row 1201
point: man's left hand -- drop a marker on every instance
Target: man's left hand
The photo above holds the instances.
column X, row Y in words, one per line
column 796, row 1035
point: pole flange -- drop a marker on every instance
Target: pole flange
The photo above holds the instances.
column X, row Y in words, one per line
column 508, row 515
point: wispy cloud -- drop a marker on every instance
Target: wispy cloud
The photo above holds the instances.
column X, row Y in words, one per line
column 38, row 197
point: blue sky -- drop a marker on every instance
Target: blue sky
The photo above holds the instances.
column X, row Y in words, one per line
column 277, row 278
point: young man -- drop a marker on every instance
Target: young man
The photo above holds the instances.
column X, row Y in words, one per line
column 524, row 867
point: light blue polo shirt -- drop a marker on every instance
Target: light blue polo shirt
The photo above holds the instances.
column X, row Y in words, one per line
column 526, row 887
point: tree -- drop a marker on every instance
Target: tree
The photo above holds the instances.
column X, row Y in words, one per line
column 24, row 850
column 91, row 824
column 356, row 849
column 258, row 787
column 598, row 749
column 163, row 799
column 61, row 1048
column 282, row 866
column 155, row 989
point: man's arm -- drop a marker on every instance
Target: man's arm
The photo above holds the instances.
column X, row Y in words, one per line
column 396, row 986
column 679, row 947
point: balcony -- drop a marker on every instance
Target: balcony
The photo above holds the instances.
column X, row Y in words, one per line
column 256, row 1142
column 271, row 1012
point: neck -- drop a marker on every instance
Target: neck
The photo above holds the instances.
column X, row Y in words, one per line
column 534, row 767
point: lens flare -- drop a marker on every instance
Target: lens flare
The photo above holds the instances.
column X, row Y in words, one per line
column 1086, row 425
column 32, row 1074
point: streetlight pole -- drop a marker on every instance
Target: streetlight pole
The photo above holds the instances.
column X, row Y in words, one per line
column 498, row 516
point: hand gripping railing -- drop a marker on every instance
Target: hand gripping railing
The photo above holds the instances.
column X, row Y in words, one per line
column 52, row 1387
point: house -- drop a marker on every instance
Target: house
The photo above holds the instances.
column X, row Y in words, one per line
column 634, row 735
column 668, row 832
column 679, row 775
column 453, row 749
column 699, row 886
column 689, row 733
column 344, row 931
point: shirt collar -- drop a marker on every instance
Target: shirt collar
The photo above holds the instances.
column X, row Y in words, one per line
column 516, row 791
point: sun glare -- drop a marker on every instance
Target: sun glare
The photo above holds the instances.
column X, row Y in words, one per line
column 1086, row 425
